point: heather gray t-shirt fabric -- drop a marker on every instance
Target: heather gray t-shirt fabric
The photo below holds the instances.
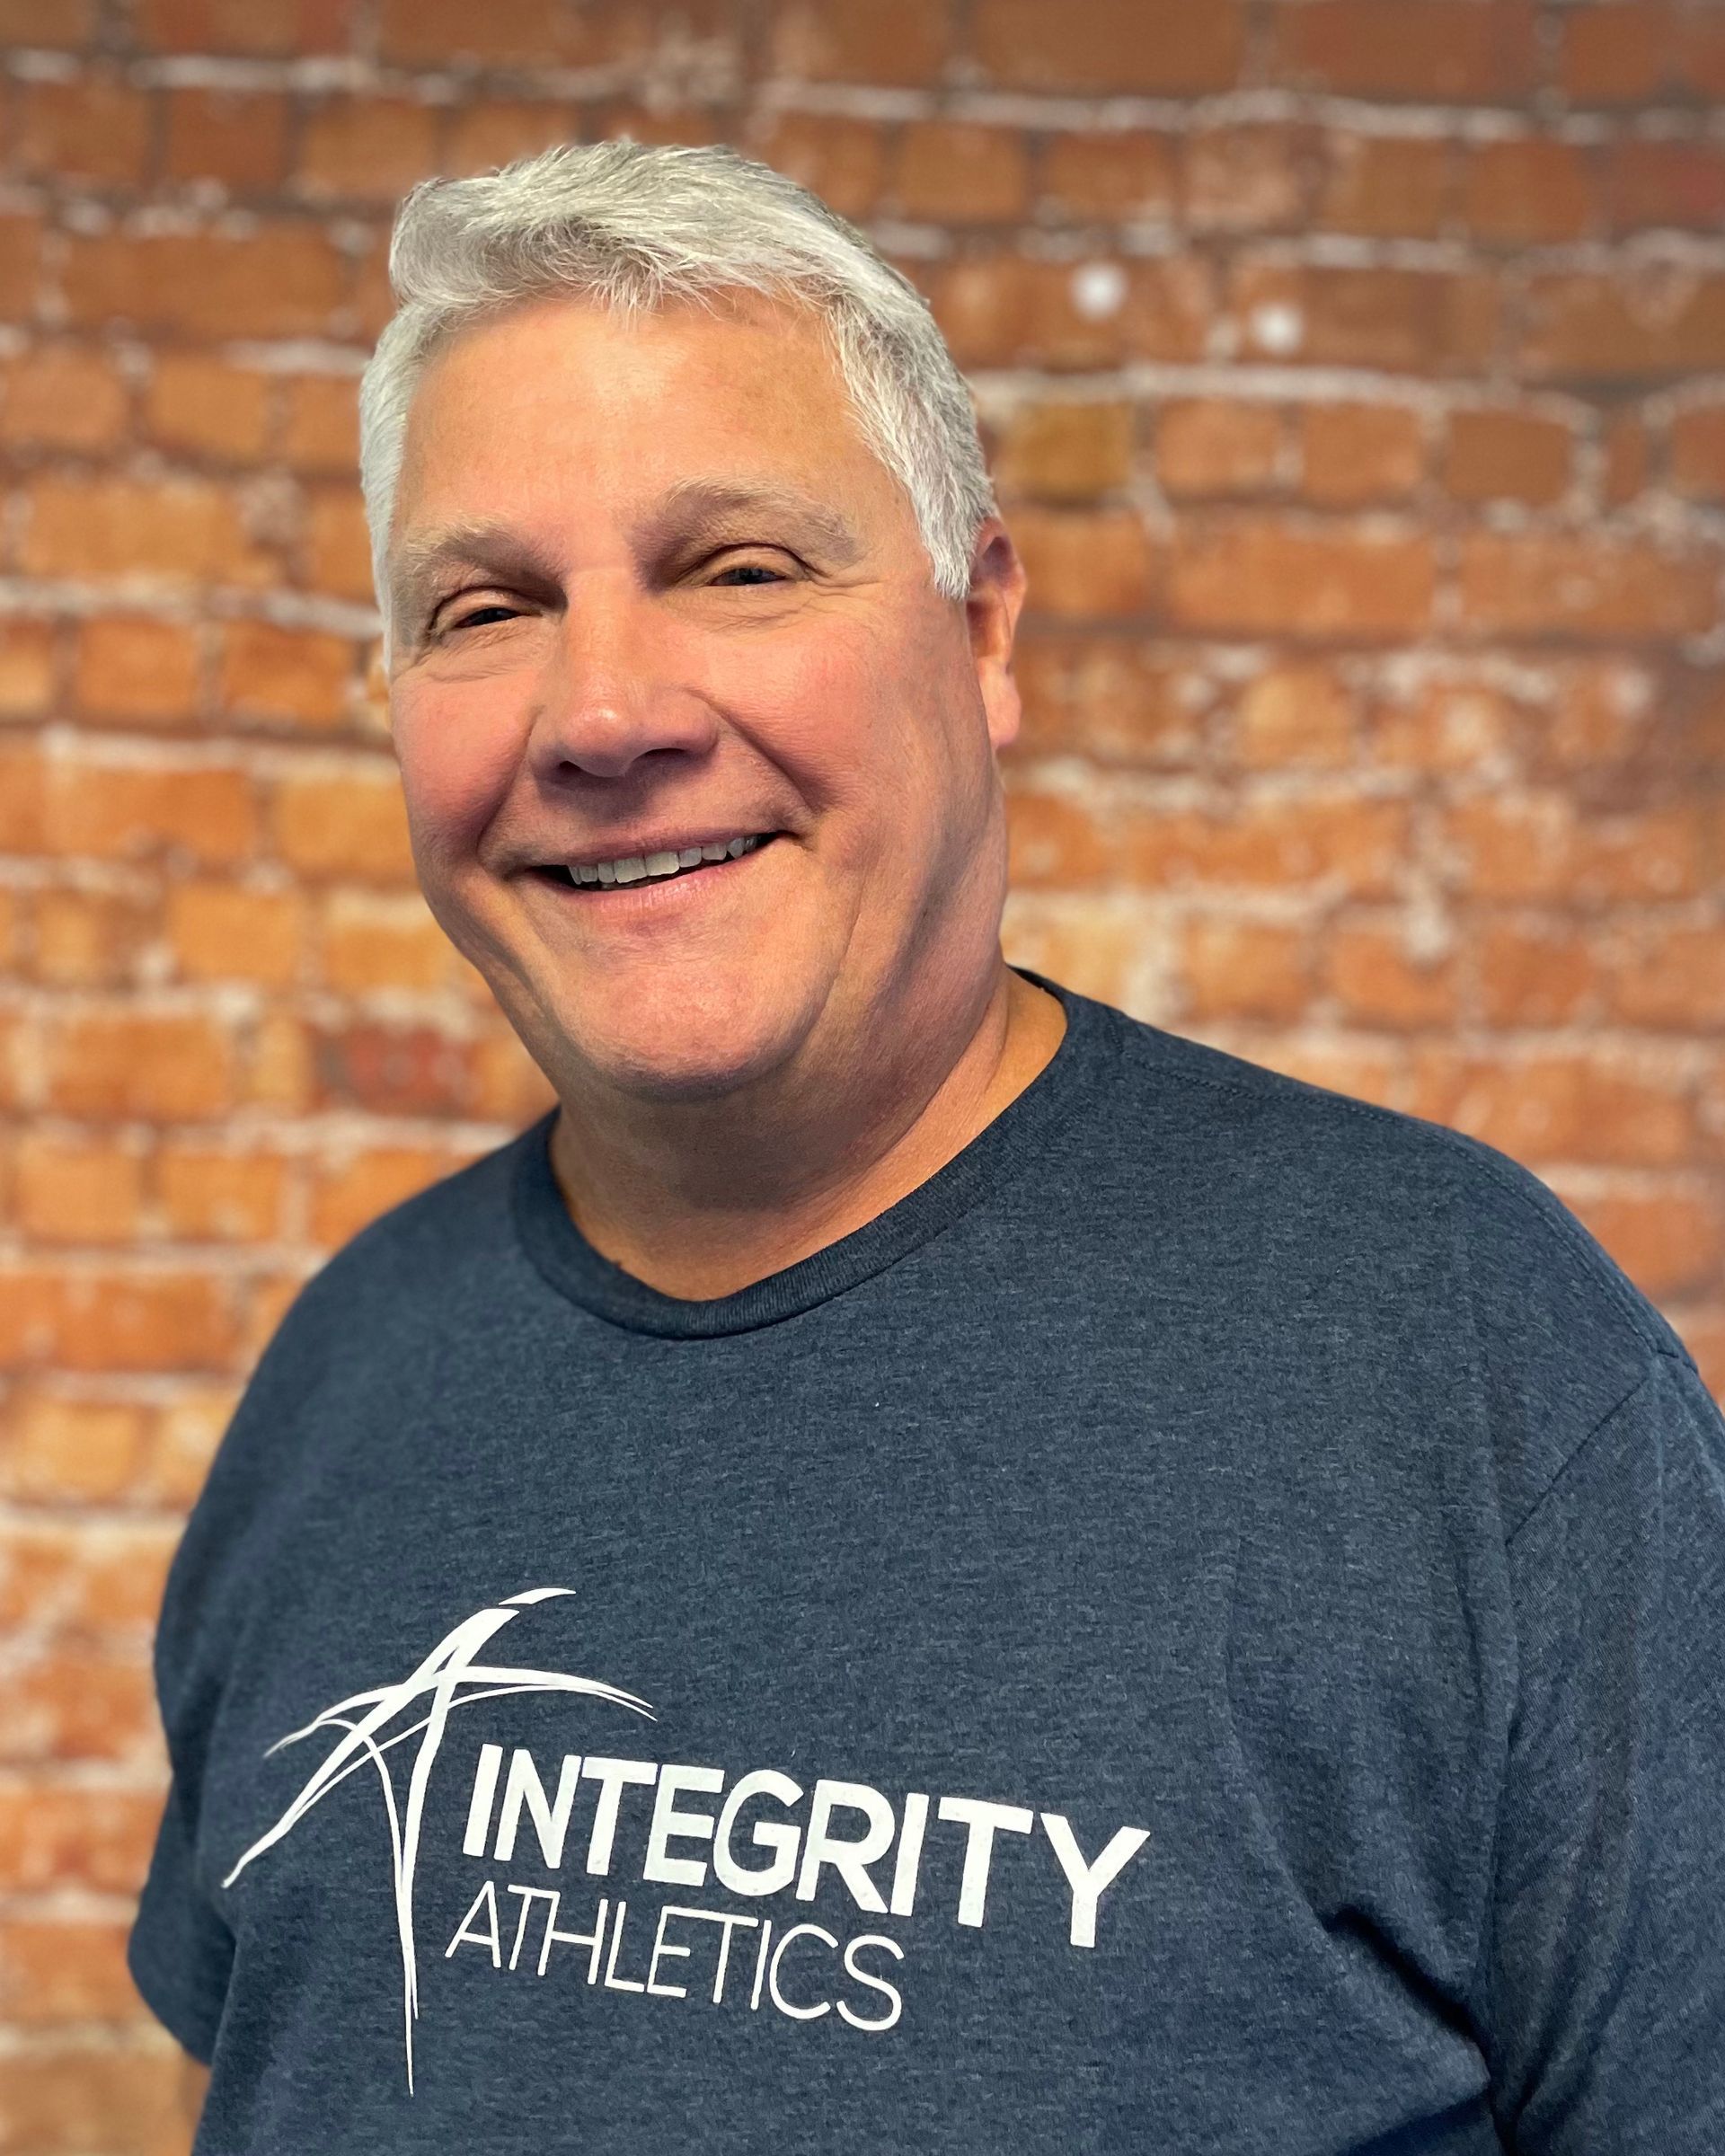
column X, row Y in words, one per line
column 1201, row 1628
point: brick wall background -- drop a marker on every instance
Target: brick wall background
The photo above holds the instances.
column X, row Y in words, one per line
column 1355, row 376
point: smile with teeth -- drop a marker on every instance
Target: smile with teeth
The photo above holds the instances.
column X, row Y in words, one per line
column 639, row 867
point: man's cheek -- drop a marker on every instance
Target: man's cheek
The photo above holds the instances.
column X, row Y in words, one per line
column 458, row 763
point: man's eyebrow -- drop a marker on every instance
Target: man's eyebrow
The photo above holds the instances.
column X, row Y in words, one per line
column 700, row 504
column 415, row 565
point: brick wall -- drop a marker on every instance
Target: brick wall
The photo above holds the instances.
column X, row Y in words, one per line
column 1354, row 371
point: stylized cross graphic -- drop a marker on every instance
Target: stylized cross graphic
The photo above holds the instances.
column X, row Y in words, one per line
column 443, row 1676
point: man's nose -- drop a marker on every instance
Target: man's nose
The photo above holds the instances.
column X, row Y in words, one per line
column 613, row 692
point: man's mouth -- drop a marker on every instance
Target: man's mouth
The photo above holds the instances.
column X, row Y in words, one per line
column 598, row 876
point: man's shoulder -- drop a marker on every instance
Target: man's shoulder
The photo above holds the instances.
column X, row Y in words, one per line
column 1396, row 1208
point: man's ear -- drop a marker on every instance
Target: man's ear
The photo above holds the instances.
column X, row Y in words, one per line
column 991, row 611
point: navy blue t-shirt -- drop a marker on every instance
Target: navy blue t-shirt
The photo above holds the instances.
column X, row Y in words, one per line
column 1202, row 1628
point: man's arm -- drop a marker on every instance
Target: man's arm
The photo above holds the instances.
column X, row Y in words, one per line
column 1605, row 1970
column 194, row 2081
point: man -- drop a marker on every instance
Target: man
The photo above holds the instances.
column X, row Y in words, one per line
column 921, row 1565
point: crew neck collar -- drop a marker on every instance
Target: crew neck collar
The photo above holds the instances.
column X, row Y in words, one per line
column 568, row 1262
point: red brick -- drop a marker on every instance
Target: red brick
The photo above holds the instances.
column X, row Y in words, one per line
column 183, row 1436
column 1377, row 980
column 1262, row 576
column 347, row 1197
column 398, row 1070
column 1056, row 843
column 1230, row 968
column 304, row 676
column 215, row 1195
column 80, row 2097
column 23, row 786
column 842, row 161
column 27, row 666
column 1419, row 321
column 1614, row 52
column 132, row 668
column 1670, row 1239
column 369, row 149
column 60, row 1451
column 1068, row 451
column 1582, row 1109
column 169, row 532
column 1700, row 54
column 1248, row 178
column 274, row 28
column 223, row 931
column 952, row 172
column 278, row 1072
column 236, row 137
column 73, row 1703
column 320, row 430
column 1425, row 50
column 76, row 1189
column 1084, row 565
column 90, row 128
column 127, row 812
column 1506, row 455
column 1341, row 844
column 64, row 25
column 487, row 134
column 1548, row 583
column 281, row 280
column 63, row 397
column 350, row 825
column 1218, row 445
column 523, row 33
column 1110, row 698
column 1128, row 174
column 1523, row 193
column 861, row 40
column 1292, row 715
column 1665, row 320
column 82, row 1579
column 21, row 256
column 1355, row 454
column 1534, row 973
column 338, row 546
column 209, row 408
column 1669, row 977
column 157, row 1068
column 90, row 1319
column 1669, row 183
column 65, row 1969
column 1005, row 310
column 1698, row 452
column 1096, row 45
column 1388, row 186
column 55, row 1836
column 90, row 939
column 373, row 941
column 1537, row 845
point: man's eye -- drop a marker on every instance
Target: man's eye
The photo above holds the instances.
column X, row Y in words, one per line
column 480, row 617
column 753, row 570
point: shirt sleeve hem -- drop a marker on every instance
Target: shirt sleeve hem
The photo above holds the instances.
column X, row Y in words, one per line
column 190, row 2022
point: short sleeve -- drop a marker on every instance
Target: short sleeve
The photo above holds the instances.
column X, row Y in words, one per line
column 180, row 1951
column 1604, row 1971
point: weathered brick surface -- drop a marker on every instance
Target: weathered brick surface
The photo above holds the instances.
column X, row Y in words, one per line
column 1353, row 372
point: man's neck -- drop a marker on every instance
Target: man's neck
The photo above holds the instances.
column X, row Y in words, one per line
column 633, row 1203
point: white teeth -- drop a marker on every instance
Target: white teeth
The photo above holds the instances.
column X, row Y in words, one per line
column 631, row 868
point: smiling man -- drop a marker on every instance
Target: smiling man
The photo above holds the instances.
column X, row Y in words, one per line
column 920, row 1565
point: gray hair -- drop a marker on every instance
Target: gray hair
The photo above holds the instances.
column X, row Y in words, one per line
column 634, row 227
